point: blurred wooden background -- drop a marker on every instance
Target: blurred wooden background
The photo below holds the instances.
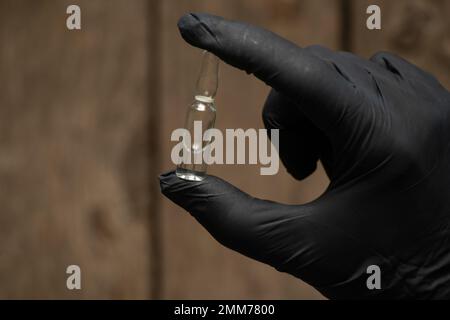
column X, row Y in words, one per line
column 85, row 123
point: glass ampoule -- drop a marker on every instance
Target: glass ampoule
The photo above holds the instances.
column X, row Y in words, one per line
column 202, row 110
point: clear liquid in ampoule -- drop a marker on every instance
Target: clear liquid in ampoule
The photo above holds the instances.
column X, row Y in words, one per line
column 201, row 112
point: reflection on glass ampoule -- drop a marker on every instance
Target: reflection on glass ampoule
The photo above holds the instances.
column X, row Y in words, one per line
column 201, row 112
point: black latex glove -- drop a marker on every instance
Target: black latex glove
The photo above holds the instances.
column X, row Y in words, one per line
column 381, row 127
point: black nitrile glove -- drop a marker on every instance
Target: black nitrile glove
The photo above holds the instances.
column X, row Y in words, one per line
column 381, row 127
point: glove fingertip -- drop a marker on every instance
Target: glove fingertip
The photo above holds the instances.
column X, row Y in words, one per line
column 166, row 180
column 195, row 30
column 170, row 183
column 186, row 24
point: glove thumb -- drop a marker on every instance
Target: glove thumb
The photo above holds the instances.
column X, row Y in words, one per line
column 256, row 228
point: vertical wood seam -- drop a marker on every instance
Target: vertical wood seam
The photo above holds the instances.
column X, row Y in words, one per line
column 154, row 78
column 346, row 25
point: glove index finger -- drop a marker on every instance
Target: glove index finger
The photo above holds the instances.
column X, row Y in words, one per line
column 278, row 62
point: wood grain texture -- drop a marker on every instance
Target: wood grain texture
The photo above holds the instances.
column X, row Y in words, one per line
column 195, row 265
column 418, row 30
column 74, row 156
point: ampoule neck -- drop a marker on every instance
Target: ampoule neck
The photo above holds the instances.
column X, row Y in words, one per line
column 204, row 99
column 208, row 78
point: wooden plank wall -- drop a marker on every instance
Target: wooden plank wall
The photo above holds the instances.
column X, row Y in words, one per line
column 74, row 160
column 418, row 30
column 85, row 123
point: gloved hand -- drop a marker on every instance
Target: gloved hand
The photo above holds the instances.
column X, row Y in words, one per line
column 381, row 127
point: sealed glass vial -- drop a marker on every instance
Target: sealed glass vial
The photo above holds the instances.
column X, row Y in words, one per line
column 200, row 117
